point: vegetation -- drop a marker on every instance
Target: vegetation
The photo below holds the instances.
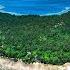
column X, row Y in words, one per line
column 35, row 38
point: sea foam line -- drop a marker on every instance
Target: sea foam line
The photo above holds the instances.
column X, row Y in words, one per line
column 59, row 13
column 48, row 14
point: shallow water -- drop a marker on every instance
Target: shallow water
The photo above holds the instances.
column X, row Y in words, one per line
column 37, row 7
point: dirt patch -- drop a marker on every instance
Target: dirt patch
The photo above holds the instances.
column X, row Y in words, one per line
column 6, row 64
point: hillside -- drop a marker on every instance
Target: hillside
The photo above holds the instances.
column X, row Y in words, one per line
column 33, row 38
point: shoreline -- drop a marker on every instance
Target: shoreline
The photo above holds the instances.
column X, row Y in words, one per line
column 6, row 64
column 48, row 14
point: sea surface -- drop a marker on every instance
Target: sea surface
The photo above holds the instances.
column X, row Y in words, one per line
column 35, row 7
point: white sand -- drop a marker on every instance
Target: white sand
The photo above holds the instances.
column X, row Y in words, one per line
column 6, row 64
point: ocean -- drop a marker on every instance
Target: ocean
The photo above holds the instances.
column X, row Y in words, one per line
column 35, row 7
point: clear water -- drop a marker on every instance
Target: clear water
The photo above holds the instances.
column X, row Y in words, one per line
column 37, row 7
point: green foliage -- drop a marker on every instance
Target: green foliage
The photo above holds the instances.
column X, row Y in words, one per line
column 35, row 38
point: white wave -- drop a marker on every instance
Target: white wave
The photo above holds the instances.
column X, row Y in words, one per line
column 64, row 11
column 3, row 11
column 59, row 13
column 14, row 13
column 1, row 7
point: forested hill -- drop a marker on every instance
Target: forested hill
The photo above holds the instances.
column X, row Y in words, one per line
column 35, row 38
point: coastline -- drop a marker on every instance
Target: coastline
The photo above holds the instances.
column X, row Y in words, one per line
column 6, row 64
column 58, row 24
column 67, row 9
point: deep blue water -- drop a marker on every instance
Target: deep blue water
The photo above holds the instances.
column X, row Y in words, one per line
column 37, row 7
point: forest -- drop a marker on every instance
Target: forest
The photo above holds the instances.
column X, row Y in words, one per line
column 34, row 38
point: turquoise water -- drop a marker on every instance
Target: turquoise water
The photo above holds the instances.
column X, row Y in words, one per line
column 37, row 7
